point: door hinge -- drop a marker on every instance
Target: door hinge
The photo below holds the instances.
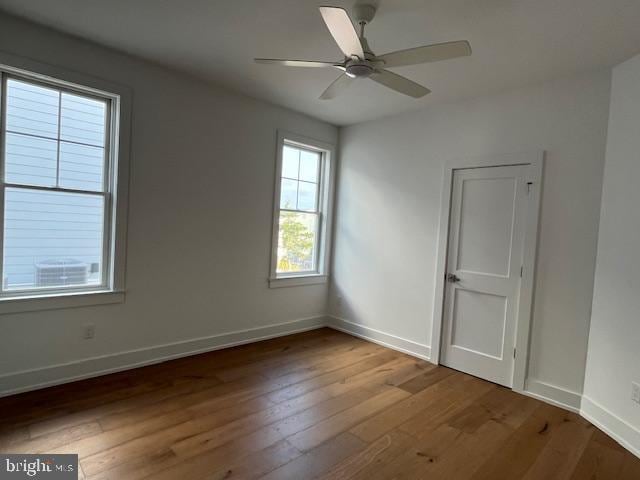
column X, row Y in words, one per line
column 514, row 353
column 529, row 187
column 521, row 270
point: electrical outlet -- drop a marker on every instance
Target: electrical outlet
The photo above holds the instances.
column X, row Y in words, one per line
column 635, row 392
column 89, row 332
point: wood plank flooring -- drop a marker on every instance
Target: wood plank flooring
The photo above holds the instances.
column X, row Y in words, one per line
column 319, row 404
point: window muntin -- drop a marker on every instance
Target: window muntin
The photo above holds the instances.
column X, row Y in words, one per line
column 300, row 214
column 55, row 188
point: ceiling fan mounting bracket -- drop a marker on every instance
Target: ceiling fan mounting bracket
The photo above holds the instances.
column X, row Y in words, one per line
column 363, row 13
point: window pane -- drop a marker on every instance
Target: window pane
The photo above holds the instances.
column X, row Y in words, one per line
column 82, row 120
column 290, row 162
column 32, row 109
column 81, row 166
column 307, row 196
column 30, row 160
column 52, row 239
column 309, row 162
column 288, row 194
column 296, row 242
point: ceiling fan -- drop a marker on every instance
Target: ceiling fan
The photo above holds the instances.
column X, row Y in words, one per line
column 361, row 62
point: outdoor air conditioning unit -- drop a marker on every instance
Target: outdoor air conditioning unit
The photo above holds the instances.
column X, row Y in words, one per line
column 56, row 273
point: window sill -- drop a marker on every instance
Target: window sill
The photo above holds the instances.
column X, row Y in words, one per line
column 59, row 301
column 296, row 281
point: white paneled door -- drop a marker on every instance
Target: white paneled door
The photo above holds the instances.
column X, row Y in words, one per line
column 484, row 265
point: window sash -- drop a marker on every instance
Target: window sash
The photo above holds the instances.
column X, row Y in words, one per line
column 108, row 181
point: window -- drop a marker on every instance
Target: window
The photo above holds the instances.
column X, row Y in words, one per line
column 301, row 216
column 57, row 187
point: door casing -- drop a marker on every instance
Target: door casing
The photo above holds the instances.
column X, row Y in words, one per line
column 535, row 161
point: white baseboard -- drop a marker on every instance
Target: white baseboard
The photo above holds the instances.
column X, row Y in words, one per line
column 625, row 434
column 26, row 380
column 381, row 338
column 553, row 395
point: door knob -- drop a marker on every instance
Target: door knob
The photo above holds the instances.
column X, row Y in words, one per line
column 451, row 277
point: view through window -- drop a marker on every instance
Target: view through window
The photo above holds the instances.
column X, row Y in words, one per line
column 55, row 187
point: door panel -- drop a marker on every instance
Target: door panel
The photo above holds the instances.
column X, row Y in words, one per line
column 486, row 338
column 486, row 237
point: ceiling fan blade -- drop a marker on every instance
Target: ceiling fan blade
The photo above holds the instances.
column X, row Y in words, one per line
column 342, row 30
column 426, row 54
column 337, row 87
column 399, row 83
column 295, row 63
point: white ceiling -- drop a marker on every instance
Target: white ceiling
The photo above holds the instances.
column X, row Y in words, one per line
column 515, row 42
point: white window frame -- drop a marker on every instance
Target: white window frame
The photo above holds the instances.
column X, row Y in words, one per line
column 325, row 217
column 118, row 98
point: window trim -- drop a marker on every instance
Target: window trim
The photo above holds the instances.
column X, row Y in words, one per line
column 325, row 213
column 112, row 289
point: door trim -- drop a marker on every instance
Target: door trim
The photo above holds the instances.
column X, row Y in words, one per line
column 535, row 159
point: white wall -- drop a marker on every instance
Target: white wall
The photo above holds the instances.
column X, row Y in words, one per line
column 201, row 192
column 614, row 342
column 388, row 202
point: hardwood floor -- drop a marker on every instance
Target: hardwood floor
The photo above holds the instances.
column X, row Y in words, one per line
column 319, row 404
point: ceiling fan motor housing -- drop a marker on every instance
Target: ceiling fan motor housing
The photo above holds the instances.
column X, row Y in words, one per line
column 358, row 69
